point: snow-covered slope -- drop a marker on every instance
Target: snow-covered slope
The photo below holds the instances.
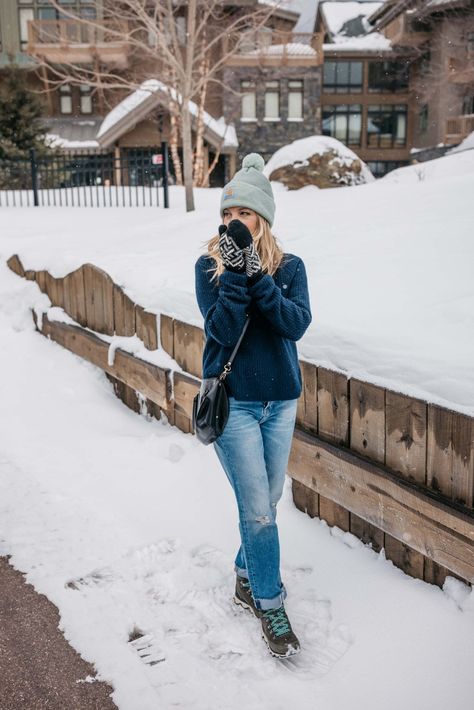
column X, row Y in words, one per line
column 389, row 266
column 130, row 527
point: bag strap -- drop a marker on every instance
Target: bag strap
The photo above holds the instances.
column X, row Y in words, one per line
column 228, row 365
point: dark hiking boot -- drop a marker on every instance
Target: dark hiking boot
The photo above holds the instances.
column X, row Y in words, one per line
column 278, row 634
column 243, row 595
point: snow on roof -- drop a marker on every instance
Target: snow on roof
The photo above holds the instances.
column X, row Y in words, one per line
column 349, row 28
column 154, row 86
column 303, row 148
column 292, row 48
column 56, row 141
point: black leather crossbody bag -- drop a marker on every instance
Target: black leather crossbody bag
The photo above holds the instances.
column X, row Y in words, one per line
column 211, row 404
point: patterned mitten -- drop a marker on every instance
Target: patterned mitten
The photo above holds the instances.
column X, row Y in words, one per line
column 253, row 263
column 232, row 255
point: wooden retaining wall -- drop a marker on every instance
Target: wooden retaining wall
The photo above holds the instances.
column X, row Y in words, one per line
column 395, row 471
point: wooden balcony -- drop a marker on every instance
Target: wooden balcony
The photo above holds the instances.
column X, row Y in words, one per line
column 403, row 32
column 71, row 41
column 275, row 48
column 458, row 128
column 461, row 69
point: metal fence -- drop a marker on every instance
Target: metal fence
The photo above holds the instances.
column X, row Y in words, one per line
column 133, row 178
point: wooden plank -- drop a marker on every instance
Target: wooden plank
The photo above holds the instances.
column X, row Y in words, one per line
column 55, row 290
column 41, row 280
column 99, row 299
column 334, row 514
column 462, row 442
column 166, row 334
column 182, row 422
column 151, row 381
column 439, row 454
column 413, row 515
column 74, row 296
column 333, row 406
column 433, row 573
column 405, row 427
column 402, row 556
column 307, row 411
column 146, row 327
column 405, row 442
column 185, row 389
column 14, row 263
column 369, row 534
column 30, row 275
column 124, row 313
column 367, row 420
column 188, row 346
column 305, row 499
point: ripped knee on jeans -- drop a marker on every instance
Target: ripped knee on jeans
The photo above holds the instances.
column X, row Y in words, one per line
column 263, row 519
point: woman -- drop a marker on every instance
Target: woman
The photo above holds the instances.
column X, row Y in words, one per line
column 245, row 272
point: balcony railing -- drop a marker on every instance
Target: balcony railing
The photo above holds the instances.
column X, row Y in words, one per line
column 277, row 48
column 458, row 128
column 78, row 42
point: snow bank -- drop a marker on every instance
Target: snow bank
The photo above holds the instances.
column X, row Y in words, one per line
column 303, row 148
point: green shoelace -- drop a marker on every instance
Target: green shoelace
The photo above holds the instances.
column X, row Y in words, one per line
column 278, row 620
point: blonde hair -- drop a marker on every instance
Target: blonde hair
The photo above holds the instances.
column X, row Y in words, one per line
column 269, row 251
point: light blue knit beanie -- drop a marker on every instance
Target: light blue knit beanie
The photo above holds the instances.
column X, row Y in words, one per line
column 250, row 188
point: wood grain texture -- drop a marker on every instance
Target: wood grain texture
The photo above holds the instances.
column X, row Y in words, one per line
column 74, row 296
column 188, row 346
column 166, row 334
column 55, row 290
column 151, row 381
column 305, row 499
column 402, row 556
column 410, row 514
column 124, row 313
column 185, row 389
column 369, row 534
column 146, row 327
column 14, row 263
column 333, row 406
column 406, row 427
column 307, row 411
column 99, row 299
column 334, row 514
column 367, row 406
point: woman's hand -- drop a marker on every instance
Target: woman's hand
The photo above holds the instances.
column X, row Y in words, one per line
column 242, row 237
column 231, row 254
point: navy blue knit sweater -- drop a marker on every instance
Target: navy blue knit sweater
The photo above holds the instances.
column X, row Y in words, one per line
column 266, row 365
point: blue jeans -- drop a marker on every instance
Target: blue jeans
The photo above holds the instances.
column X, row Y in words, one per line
column 254, row 450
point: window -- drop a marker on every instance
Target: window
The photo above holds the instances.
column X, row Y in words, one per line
column 379, row 168
column 343, row 77
column 272, row 101
column 468, row 105
column 386, row 126
column 65, row 98
column 86, row 99
column 249, row 101
column 388, row 77
column 295, row 100
column 343, row 122
column 423, row 119
column 26, row 14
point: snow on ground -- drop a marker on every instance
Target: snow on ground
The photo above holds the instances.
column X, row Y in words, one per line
column 389, row 266
column 129, row 527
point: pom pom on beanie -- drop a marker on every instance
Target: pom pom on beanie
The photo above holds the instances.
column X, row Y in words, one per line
column 250, row 188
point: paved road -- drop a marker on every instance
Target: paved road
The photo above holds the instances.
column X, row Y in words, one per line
column 38, row 668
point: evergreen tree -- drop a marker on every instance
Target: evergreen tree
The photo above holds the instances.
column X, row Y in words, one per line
column 20, row 116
